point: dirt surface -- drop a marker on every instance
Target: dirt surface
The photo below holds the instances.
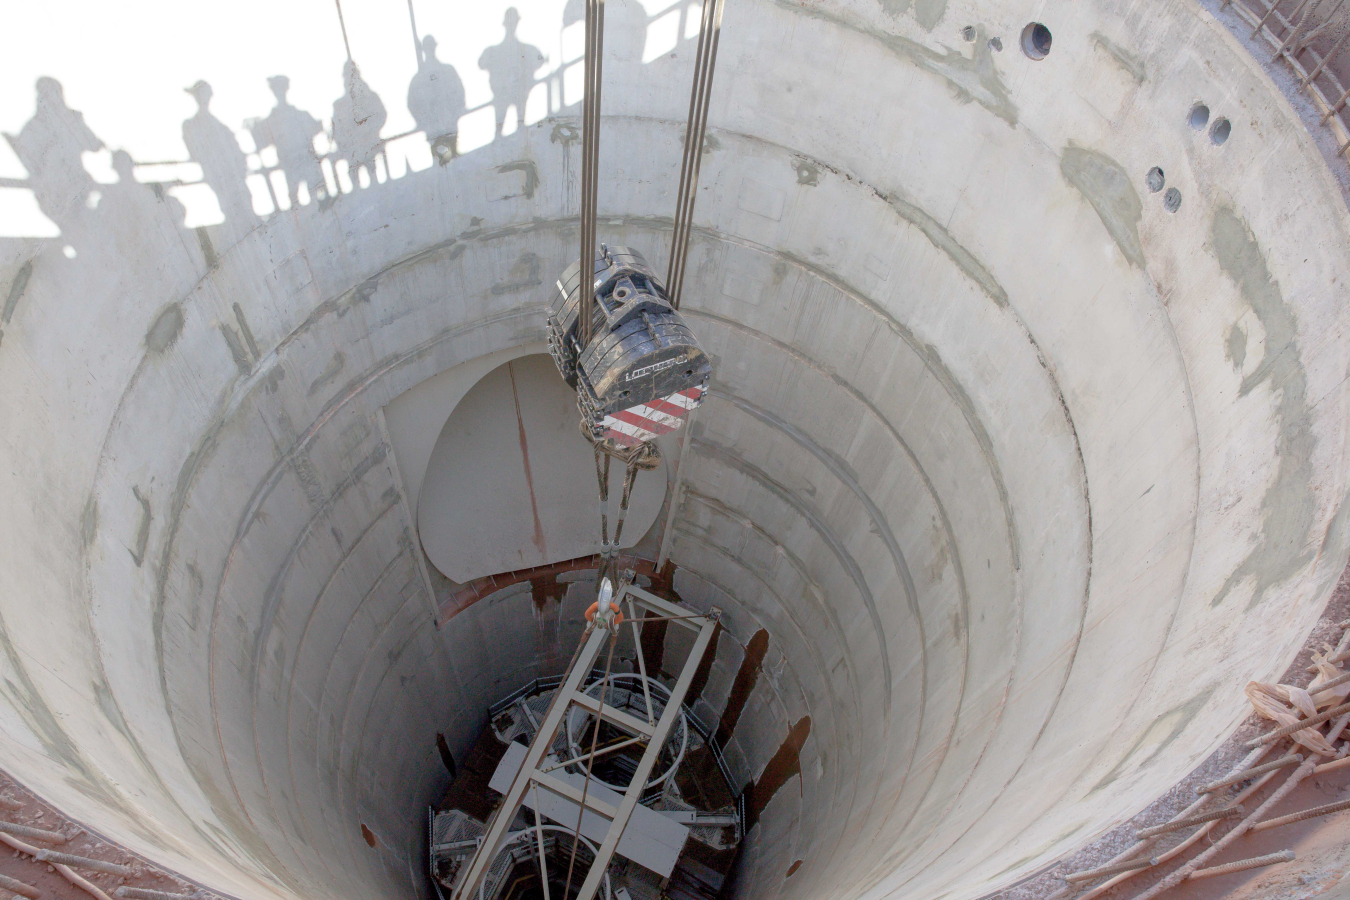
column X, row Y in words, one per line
column 22, row 867
column 1327, row 836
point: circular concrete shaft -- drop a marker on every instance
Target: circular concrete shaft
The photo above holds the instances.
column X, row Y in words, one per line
column 1011, row 475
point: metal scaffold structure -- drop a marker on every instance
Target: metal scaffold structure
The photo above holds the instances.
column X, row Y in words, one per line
column 547, row 780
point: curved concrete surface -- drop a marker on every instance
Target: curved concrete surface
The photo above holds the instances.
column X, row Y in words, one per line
column 484, row 489
column 1022, row 473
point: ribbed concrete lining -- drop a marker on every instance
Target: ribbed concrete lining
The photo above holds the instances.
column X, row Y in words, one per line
column 1023, row 475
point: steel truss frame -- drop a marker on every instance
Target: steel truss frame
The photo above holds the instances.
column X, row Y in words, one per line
column 570, row 693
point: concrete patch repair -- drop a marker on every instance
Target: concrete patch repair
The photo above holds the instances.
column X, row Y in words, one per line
column 1106, row 185
column 1283, row 546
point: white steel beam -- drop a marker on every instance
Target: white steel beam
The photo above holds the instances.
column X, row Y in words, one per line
column 648, row 761
column 500, row 823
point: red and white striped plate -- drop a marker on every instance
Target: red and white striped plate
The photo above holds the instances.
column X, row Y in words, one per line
column 644, row 422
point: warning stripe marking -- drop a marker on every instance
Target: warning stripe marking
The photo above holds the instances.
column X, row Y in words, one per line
column 669, row 409
column 637, row 421
column 664, row 418
column 645, row 421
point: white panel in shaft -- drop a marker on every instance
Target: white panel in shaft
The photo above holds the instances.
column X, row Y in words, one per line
column 511, row 481
column 651, row 840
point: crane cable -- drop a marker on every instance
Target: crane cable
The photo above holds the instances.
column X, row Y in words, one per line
column 709, row 30
column 643, row 456
column 590, row 159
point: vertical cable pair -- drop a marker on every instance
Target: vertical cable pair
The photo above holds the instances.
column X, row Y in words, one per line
column 590, row 159
column 709, row 30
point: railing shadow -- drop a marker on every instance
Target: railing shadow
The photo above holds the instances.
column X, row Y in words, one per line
column 289, row 158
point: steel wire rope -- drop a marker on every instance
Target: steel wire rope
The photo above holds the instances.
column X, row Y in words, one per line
column 590, row 158
column 710, row 30
column 677, row 224
column 602, row 476
column 590, row 764
column 686, row 162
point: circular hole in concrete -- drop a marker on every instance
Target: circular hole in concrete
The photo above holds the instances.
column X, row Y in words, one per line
column 1036, row 41
column 1199, row 117
column 1155, row 179
column 1221, row 130
column 996, row 44
column 1172, row 200
column 968, row 34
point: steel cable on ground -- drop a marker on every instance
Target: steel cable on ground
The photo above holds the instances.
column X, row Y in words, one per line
column 590, row 765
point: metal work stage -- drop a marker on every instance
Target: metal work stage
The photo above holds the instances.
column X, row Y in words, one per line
column 534, row 774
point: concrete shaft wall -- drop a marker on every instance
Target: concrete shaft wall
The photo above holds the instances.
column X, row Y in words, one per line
column 1023, row 474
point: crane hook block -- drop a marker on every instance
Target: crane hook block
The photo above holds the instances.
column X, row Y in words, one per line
column 643, row 371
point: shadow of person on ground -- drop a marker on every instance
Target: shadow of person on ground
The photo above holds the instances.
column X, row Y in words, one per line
column 212, row 145
column 436, row 101
column 49, row 148
column 292, row 131
column 511, row 66
column 358, row 116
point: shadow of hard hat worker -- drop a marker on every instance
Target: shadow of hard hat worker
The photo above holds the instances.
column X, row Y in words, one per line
column 358, row 116
column 140, row 230
column 291, row 131
column 212, row 145
column 511, row 66
column 130, row 206
column 436, row 101
column 49, row 148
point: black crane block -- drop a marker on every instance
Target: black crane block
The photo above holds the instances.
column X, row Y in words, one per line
column 643, row 370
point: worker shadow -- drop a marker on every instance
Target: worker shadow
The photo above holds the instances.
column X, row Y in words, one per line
column 50, row 147
column 436, row 101
column 358, row 117
column 212, row 145
column 234, row 177
column 290, row 133
column 107, row 226
column 511, row 66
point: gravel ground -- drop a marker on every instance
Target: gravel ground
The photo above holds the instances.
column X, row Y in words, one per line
column 22, row 867
column 1041, row 885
